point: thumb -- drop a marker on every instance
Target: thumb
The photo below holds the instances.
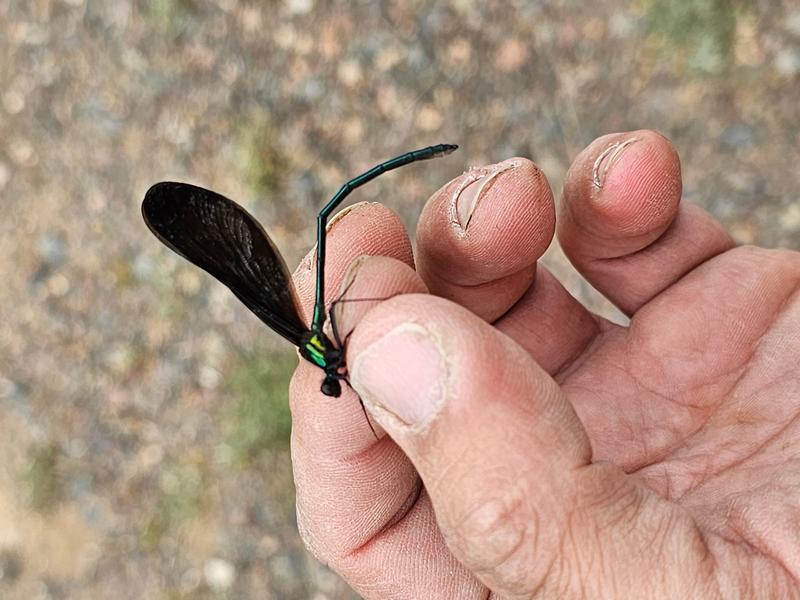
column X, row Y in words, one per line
column 506, row 462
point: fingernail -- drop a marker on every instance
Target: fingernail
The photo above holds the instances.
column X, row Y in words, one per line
column 402, row 374
column 607, row 159
column 472, row 189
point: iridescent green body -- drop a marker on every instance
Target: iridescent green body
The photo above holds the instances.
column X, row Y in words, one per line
column 314, row 351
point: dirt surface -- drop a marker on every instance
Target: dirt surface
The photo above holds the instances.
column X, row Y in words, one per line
column 143, row 417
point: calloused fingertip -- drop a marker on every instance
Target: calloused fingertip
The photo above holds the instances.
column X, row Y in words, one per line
column 487, row 224
column 624, row 185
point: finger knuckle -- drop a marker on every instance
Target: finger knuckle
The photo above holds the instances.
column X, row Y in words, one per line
column 496, row 537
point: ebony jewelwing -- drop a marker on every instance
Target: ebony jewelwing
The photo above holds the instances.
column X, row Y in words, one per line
column 222, row 238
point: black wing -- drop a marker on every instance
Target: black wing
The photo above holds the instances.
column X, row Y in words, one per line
column 222, row 238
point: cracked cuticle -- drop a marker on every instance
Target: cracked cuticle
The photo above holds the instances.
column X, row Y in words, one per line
column 607, row 159
column 471, row 190
column 334, row 220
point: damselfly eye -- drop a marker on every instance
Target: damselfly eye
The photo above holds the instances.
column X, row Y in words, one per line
column 331, row 387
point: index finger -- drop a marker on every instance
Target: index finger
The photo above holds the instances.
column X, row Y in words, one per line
column 348, row 483
column 360, row 502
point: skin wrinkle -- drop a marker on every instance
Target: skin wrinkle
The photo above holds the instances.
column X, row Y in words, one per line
column 744, row 588
column 633, row 329
column 568, row 542
column 679, row 365
column 691, row 481
column 638, row 335
column 531, row 589
column 514, row 304
column 640, row 382
column 622, row 496
column 486, row 258
column 673, row 229
column 558, row 569
column 485, row 284
column 421, row 515
column 585, row 521
column 361, row 455
column 660, row 538
column 582, row 225
column 507, row 292
column 605, row 266
column 348, row 420
column 335, row 466
column 443, row 470
column 642, row 439
column 653, row 248
column 753, row 581
column 672, row 521
column 585, row 354
column 703, row 577
column 497, row 511
column 535, row 526
column 680, row 439
column 529, row 309
column 599, row 344
column 403, row 511
column 771, row 437
column 708, row 558
column 781, row 311
column 743, row 544
column 743, row 459
column 766, row 550
column 745, row 367
column 307, row 535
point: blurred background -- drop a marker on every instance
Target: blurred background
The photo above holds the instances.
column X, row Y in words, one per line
column 143, row 411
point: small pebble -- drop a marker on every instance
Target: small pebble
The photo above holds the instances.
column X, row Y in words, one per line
column 787, row 61
column 219, row 574
column 300, row 7
column 5, row 175
column 13, row 102
column 429, row 119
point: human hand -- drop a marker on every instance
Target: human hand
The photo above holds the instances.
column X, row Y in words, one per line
column 528, row 448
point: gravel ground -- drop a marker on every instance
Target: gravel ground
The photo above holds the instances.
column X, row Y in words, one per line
column 143, row 419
